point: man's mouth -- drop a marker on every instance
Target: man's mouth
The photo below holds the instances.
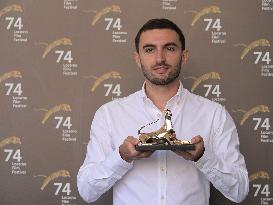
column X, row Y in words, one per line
column 161, row 69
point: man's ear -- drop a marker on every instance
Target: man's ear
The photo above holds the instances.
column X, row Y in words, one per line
column 137, row 59
column 185, row 56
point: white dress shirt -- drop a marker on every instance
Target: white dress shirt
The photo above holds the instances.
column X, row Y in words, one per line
column 164, row 178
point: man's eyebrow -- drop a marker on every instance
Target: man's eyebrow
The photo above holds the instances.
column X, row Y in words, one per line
column 171, row 44
column 148, row 45
column 167, row 44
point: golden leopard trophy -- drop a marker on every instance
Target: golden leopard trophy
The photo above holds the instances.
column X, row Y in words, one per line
column 162, row 139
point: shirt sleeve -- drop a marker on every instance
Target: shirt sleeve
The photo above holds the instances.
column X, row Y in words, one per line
column 222, row 163
column 103, row 165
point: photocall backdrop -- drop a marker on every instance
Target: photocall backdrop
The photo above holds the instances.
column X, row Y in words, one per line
column 61, row 60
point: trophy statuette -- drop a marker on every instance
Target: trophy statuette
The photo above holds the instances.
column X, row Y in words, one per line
column 162, row 139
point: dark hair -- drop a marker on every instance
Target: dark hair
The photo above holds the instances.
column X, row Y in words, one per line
column 160, row 24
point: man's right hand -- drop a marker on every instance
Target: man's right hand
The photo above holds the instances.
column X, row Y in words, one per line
column 128, row 151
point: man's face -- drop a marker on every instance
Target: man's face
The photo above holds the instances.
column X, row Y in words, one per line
column 160, row 56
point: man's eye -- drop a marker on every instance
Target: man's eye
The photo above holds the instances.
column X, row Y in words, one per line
column 148, row 50
column 171, row 48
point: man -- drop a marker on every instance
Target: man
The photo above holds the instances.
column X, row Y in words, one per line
column 162, row 177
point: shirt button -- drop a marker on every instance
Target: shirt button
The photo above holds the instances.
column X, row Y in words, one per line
column 162, row 197
column 158, row 115
column 162, row 169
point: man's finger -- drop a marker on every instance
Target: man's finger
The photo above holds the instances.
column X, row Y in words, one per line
column 185, row 154
column 132, row 140
column 145, row 154
column 196, row 139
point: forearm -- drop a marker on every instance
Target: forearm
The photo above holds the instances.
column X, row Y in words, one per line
column 94, row 179
column 231, row 179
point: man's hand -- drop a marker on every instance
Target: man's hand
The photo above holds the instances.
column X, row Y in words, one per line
column 128, row 151
column 196, row 154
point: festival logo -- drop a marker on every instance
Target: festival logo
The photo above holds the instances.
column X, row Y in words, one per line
column 14, row 155
column 14, row 89
column 63, row 122
column 203, row 12
column 53, row 110
column 252, row 111
column 111, row 89
column 218, row 36
column 260, row 186
column 50, row 46
column 262, row 57
column 63, row 189
column 212, row 91
column 204, row 77
column 113, row 24
column 62, row 56
column 252, row 45
column 60, row 173
column 15, row 23
column 261, row 123
column 104, row 11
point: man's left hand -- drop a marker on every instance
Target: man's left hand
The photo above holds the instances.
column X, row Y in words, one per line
column 196, row 154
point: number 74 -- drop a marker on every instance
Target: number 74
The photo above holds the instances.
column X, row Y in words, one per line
column 264, row 191
column 214, row 91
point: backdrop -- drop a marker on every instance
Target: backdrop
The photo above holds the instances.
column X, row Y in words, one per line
column 61, row 60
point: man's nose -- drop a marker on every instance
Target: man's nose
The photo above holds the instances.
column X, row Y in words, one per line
column 160, row 56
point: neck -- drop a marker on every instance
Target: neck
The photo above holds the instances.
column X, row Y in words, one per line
column 161, row 94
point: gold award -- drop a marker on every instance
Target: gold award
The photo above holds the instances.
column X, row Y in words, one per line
column 162, row 139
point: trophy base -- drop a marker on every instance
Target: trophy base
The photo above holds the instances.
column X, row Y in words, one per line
column 174, row 147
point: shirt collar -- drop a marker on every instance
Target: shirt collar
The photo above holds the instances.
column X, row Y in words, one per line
column 175, row 98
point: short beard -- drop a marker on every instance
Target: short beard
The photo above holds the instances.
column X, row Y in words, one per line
column 166, row 81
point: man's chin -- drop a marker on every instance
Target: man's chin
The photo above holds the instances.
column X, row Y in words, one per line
column 159, row 81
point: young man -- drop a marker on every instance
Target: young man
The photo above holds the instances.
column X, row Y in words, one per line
column 162, row 177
